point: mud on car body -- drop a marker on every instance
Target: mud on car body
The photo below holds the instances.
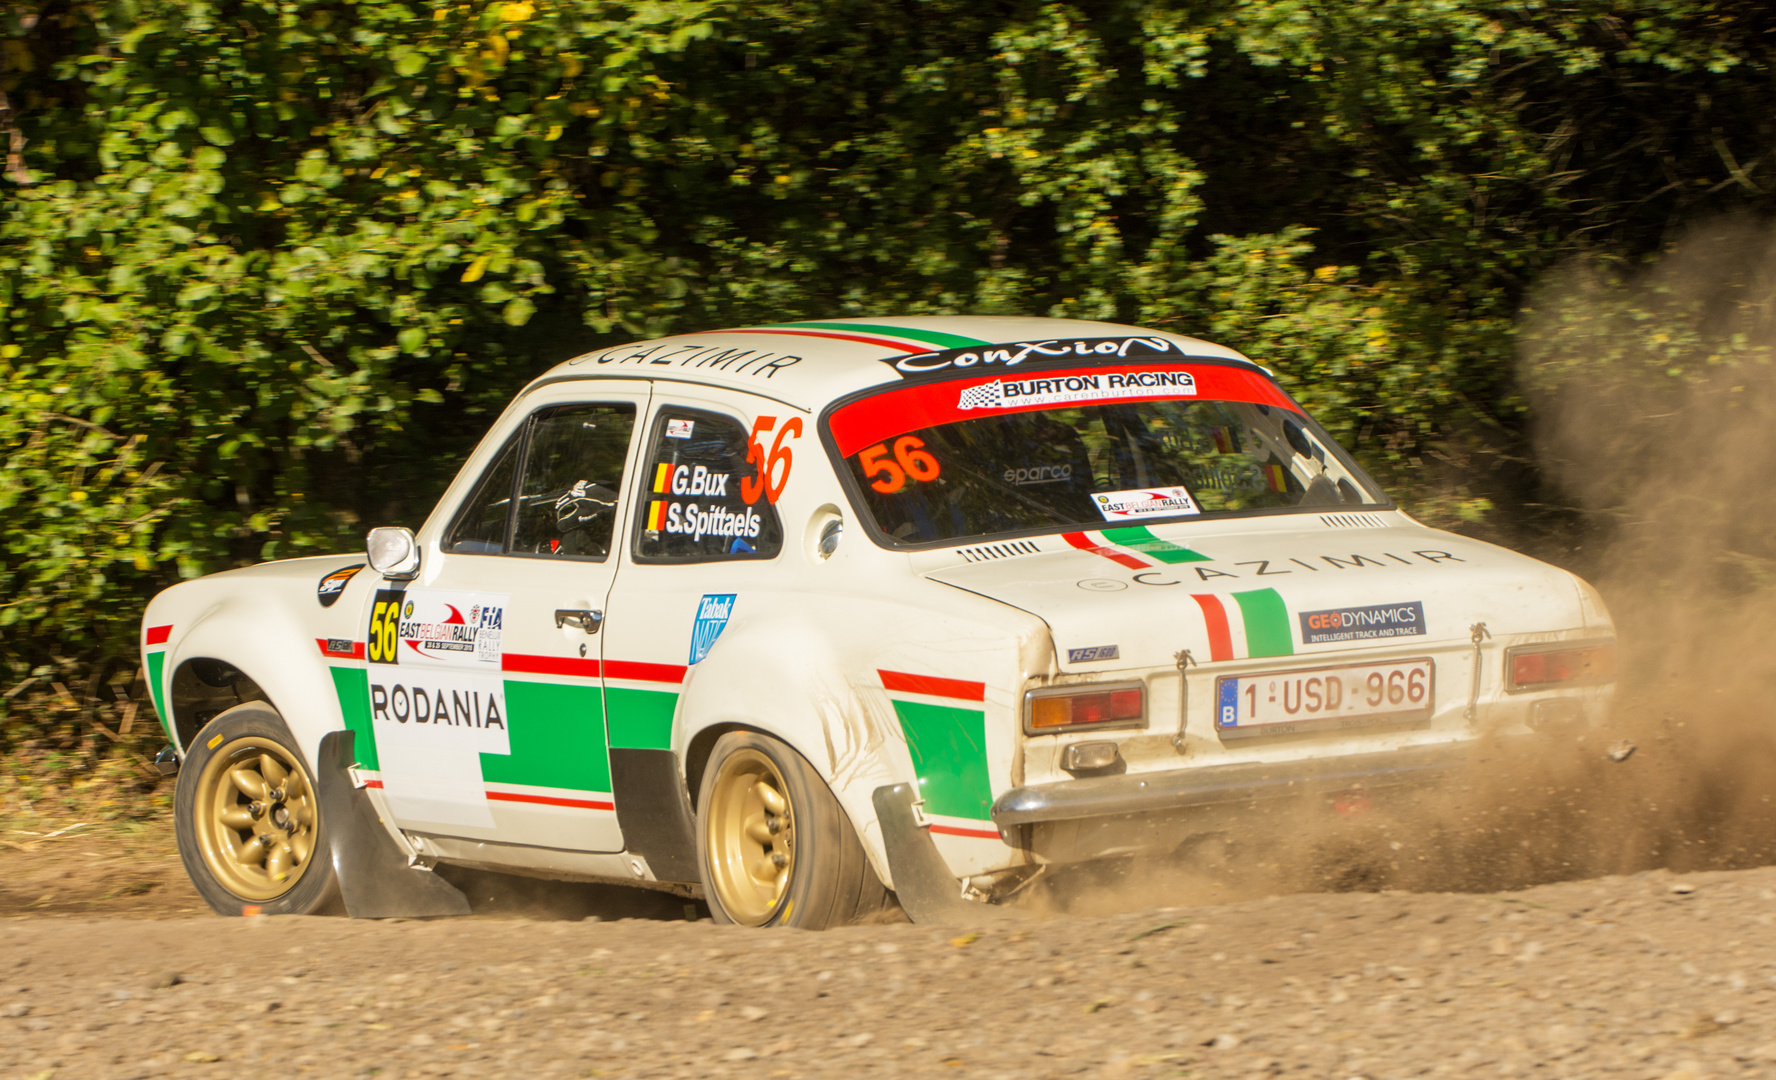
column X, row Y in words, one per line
column 796, row 617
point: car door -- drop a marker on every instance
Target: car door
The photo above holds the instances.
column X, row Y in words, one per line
column 703, row 542
column 485, row 696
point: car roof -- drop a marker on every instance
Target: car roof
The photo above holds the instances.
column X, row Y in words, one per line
column 808, row 364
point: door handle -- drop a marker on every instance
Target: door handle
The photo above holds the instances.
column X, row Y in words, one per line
column 589, row 621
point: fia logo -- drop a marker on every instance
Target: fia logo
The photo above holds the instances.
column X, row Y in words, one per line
column 712, row 618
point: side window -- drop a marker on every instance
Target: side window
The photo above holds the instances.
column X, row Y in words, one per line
column 573, row 469
column 480, row 526
column 696, row 511
column 563, row 503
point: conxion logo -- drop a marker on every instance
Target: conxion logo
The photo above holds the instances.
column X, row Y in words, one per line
column 1015, row 353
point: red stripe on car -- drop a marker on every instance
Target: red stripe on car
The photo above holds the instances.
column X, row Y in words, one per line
column 957, row 830
column 641, row 672
column 1215, row 616
column 907, row 683
column 549, row 665
column 157, row 635
column 864, row 338
column 1086, row 543
column 356, row 652
column 550, row 800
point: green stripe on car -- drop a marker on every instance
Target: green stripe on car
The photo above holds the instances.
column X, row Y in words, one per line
column 556, row 735
column 949, row 749
column 930, row 337
column 640, row 719
column 1267, row 623
column 353, row 687
column 1139, row 538
column 156, row 667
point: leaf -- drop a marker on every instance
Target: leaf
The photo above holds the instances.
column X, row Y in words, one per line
column 518, row 312
column 476, row 269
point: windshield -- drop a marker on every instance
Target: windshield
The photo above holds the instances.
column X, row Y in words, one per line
column 972, row 458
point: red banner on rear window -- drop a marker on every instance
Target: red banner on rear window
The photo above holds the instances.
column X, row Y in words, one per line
column 926, row 405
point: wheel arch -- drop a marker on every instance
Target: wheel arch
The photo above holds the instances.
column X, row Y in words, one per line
column 852, row 746
column 228, row 657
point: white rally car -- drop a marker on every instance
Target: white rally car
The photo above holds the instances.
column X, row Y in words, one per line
column 791, row 616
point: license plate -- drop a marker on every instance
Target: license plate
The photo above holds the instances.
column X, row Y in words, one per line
column 1322, row 699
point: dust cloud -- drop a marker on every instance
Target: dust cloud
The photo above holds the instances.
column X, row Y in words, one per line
column 1652, row 392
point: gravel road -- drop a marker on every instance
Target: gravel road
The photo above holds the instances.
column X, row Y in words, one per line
column 1652, row 975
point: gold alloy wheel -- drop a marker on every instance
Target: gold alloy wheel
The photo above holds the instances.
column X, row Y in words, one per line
column 751, row 837
column 255, row 818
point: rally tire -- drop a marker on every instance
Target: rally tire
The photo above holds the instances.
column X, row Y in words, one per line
column 246, row 814
column 774, row 846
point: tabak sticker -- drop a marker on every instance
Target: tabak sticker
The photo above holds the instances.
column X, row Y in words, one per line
column 1076, row 389
column 331, row 586
column 1144, row 502
column 680, row 429
column 437, row 627
column 713, row 612
column 1371, row 623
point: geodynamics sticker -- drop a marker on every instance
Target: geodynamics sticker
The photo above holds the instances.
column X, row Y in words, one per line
column 1144, row 502
column 1363, row 623
column 1073, row 389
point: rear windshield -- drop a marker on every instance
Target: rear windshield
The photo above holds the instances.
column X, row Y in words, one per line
column 1061, row 449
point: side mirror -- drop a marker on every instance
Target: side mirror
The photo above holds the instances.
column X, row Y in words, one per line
column 393, row 552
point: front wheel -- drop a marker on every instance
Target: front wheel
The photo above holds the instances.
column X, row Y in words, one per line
column 247, row 818
column 775, row 847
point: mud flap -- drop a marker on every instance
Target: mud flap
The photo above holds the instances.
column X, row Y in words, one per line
column 375, row 880
column 923, row 884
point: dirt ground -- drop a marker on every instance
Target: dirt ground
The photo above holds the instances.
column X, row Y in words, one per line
column 111, row 968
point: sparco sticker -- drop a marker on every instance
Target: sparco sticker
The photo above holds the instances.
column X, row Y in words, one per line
column 712, row 618
column 1014, row 353
column 1144, row 502
column 327, row 592
column 1363, row 623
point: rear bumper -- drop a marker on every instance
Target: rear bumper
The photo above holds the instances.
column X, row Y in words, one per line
column 1163, row 793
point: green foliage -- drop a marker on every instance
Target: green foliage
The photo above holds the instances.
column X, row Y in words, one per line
column 268, row 269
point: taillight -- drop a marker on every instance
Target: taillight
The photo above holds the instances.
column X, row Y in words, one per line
column 1539, row 667
column 1065, row 707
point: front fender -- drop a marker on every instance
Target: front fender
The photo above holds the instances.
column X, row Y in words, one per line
column 262, row 635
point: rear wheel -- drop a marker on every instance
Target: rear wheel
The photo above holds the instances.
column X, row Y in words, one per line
column 246, row 814
column 775, row 847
